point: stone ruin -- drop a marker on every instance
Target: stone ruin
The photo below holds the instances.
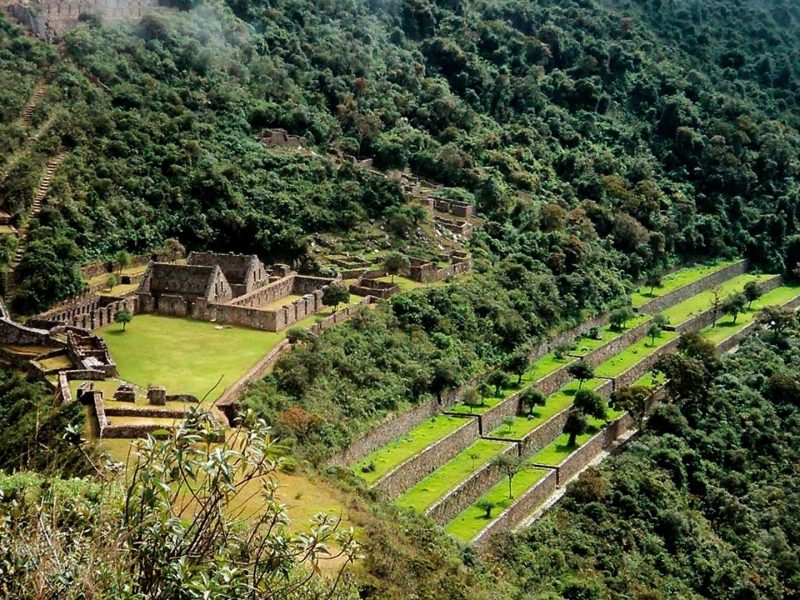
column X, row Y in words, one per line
column 49, row 19
column 231, row 289
column 280, row 138
column 425, row 271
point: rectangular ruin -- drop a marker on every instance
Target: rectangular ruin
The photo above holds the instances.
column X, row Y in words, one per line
column 231, row 289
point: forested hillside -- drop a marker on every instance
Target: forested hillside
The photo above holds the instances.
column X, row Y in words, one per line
column 602, row 142
column 705, row 504
column 595, row 137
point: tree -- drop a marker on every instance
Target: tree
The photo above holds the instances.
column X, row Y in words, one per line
column 517, row 363
column 497, row 379
column 299, row 335
column 653, row 332
column 335, row 294
column 619, row 317
column 777, row 319
column 472, row 398
column 632, row 399
column 124, row 317
column 172, row 250
column 752, row 292
column 509, row 465
column 590, row 403
column 734, row 305
column 446, row 375
column 487, row 506
column 123, row 260
column 532, row 397
column 653, row 280
column 508, row 423
column 111, row 281
column 396, row 263
column 575, row 425
column 581, row 370
column 716, row 304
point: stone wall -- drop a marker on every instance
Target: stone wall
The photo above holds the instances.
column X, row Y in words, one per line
column 469, row 490
column 273, row 319
column 656, row 305
column 519, row 509
column 428, row 460
column 109, row 267
column 374, row 287
column 267, row 294
column 15, row 334
column 493, row 418
column 58, row 16
column 91, row 312
column 453, row 207
column 706, row 318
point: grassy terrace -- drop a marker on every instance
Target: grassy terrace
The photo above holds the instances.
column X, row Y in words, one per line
column 449, row 475
column 701, row 302
column 470, row 522
column 725, row 327
column 387, row 457
column 555, row 404
column 548, row 364
column 633, row 354
column 676, row 280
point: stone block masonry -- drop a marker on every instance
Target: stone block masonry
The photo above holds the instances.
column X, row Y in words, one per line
column 656, row 305
column 468, row 491
column 422, row 464
column 706, row 318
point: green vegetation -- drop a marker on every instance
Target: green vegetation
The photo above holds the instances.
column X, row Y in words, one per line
column 726, row 327
column 631, row 355
column 470, row 522
column 675, row 280
column 185, row 356
column 449, row 475
column 672, row 503
column 376, row 464
column 704, row 301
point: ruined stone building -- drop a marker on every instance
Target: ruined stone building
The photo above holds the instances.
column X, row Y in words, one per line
column 233, row 289
column 52, row 18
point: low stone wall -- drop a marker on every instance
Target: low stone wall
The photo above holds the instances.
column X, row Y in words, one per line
column 259, row 370
column 90, row 312
column 656, row 305
column 124, row 411
column 523, row 506
column 544, row 434
column 109, row 267
column 16, row 334
column 706, row 318
column 374, row 287
column 228, row 402
column 422, row 464
column 469, row 490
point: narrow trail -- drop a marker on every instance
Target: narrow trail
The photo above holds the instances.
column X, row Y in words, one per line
column 19, row 154
column 36, row 206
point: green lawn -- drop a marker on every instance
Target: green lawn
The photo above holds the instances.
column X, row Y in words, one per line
column 650, row 380
column 417, row 439
column 185, row 356
column 725, row 327
column 703, row 301
column 548, row 364
column 633, row 354
column 675, row 280
column 469, row 523
column 555, row 404
column 449, row 475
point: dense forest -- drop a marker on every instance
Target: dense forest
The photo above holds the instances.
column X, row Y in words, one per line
column 601, row 141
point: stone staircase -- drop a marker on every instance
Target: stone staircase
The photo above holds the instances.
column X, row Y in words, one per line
column 35, row 208
column 38, row 94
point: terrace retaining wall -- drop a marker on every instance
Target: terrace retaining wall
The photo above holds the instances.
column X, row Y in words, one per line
column 656, row 305
column 510, row 407
column 468, row 491
column 707, row 317
column 427, row 461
